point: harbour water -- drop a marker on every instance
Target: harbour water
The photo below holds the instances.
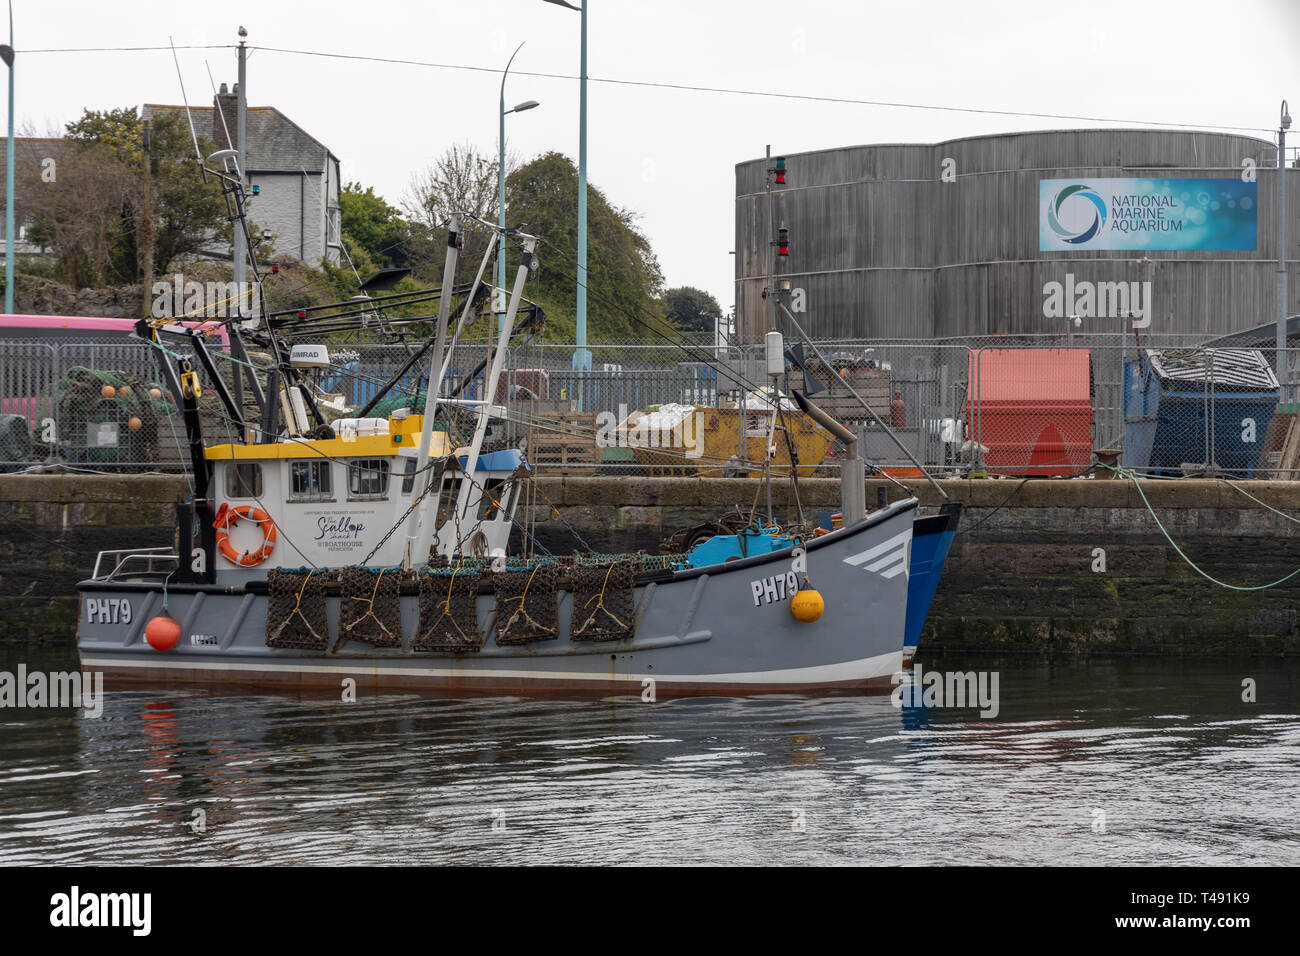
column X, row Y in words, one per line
column 1115, row 762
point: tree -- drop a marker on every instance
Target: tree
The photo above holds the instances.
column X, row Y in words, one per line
column 373, row 229
column 91, row 213
column 691, row 309
column 186, row 211
column 623, row 276
column 79, row 214
column 462, row 180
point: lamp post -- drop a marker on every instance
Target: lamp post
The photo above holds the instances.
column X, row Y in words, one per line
column 581, row 356
column 501, row 193
column 1284, row 123
column 7, row 54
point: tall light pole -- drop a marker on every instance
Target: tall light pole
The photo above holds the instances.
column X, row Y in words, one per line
column 581, row 357
column 7, row 54
column 501, row 193
column 1282, row 378
column 239, row 251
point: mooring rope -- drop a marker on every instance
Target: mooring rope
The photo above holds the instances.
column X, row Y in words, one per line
column 1133, row 476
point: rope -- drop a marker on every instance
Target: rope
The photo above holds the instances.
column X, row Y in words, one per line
column 297, row 610
column 600, row 603
column 370, row 606
column 1132, row 476
column 513, row 617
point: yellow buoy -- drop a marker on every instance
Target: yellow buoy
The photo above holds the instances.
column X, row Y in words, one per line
column 807, row 604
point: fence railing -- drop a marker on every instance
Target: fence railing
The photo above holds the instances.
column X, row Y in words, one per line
column 1017, row 406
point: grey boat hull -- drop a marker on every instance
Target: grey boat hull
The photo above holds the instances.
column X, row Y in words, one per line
column 725, row 629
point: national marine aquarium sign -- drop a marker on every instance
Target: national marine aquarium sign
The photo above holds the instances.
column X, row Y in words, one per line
column 1146, row 214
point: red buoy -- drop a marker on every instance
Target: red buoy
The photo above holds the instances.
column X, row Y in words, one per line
column 163, row 633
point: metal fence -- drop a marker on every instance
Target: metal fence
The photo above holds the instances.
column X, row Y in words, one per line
column 1022, row 406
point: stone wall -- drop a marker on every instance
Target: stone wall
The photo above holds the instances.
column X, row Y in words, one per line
column 1020, row 577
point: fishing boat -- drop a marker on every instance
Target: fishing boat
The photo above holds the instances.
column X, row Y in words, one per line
column 376, row 549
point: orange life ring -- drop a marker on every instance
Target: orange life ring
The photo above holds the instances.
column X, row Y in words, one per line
column 226, row 516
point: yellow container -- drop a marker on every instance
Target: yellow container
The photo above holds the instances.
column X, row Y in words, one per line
column 708, row 442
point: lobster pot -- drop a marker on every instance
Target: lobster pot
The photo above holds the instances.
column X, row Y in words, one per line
column 603, row 609
column 295, row 612
column 448, row 609
column 525, row 599
column 371, row 609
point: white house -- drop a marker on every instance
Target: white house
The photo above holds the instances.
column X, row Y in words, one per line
column 293, row 179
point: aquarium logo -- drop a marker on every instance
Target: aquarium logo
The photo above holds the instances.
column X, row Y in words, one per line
column 1080, row 194
column 922, row 688
column 58, row 689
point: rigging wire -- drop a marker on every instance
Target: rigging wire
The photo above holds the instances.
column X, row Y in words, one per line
column 682, row 87
column 770, row 94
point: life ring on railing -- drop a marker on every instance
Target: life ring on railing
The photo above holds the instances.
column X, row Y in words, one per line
column 226, row 516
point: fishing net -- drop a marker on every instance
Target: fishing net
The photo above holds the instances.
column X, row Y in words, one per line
column 525, row 598
column 110, row 416
column 603, row 608
column 449, row 608
column 371, row 608
column 295, row 613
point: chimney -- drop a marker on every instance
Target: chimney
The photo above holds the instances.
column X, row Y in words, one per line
column 225, row 104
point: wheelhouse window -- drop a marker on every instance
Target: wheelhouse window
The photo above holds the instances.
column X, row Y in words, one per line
column 309, row 480
column 408, row 476
column 368, row 478
column 244, row 480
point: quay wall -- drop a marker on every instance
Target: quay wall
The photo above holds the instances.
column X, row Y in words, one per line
column 1046, row 567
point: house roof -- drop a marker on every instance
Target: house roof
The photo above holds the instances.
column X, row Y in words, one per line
column 275, row 142
column 32, row 148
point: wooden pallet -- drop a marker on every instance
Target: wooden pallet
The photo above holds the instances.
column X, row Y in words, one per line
column 565, row 444
column 1283, row 434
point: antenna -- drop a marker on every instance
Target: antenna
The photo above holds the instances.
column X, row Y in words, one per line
column 193, row 135
column 216, row 104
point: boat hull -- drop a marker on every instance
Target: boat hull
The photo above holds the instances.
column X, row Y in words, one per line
column 931, row 539
column 725, row 629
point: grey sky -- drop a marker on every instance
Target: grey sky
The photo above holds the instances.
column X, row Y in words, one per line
column 669, row 155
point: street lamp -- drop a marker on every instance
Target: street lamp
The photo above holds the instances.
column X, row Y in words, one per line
column 501, row 191
column 581, row 357
column 7, row 54
column 1284, row 123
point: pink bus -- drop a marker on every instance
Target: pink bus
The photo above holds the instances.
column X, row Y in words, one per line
column 34, row 348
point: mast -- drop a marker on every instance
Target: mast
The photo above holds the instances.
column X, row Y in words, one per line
column 454, row 242
column 527, row 262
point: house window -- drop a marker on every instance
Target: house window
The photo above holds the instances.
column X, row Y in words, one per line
column 368, row 478
column 309, row 480
column 244, row 481
column 332, row 236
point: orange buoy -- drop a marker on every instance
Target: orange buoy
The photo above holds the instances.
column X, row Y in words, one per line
column 162, row 632
column 124, row 391
column 155, row 393
column 807, row 604
column 134, row 424
column 108, row 391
